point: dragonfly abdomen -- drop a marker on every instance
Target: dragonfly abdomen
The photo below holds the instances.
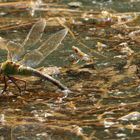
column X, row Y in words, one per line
column 25, row 71
column 50, row 79
column 33, row 72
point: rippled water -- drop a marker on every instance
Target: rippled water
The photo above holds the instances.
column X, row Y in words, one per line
column 104, row 103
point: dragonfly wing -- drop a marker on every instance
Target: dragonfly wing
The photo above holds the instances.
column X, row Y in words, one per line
column 3, row 43
column 14, row 51
column 35, row 57
column 32, row 58
column 17, row 51
column 52, row 43
column 34, row 34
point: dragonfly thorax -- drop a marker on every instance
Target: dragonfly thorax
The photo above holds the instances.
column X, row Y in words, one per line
column 9, row 68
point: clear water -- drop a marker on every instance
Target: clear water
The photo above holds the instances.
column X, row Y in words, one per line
column 101, row 94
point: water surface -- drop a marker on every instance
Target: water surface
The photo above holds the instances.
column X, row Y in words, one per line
column 103, row 91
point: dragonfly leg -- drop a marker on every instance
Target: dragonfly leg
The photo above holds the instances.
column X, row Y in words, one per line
column 5, row 85
column 16, row 79
column 13, row 81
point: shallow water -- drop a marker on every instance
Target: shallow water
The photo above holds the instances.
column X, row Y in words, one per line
column 104, row 91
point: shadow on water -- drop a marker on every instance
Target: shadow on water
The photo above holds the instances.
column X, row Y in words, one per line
column 104, row 103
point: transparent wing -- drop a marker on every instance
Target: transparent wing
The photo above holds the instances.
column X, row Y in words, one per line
column 52, row 42
column 11, row 47
column 3, row 43
column 35, row 57
column 17, row 51
column 14, row 51
column 32, row 58
column 35, row 34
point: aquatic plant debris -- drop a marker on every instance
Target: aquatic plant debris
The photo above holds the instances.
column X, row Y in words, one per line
column 105, row 102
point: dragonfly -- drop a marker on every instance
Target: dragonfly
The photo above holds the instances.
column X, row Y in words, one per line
column 23, row 61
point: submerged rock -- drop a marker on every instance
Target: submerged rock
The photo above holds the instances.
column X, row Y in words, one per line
column 75, row 4
column 133, row 116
